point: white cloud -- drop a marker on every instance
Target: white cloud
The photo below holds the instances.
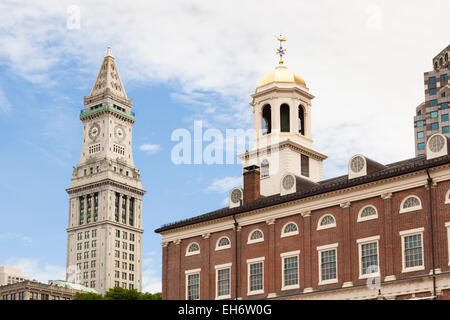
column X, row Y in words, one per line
column 150, row 148
column 151, row 272
column 363, row 63
column 225, row 184
column 14, row 236
column 35, row 269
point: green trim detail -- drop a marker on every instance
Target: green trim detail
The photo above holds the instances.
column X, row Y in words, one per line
column 84, row 114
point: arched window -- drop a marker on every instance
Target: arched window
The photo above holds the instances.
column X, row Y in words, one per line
column 441, row 61
column 410, row 203
column 289, row 229
column 301, row 120
column 446, row 56
column 264, row 168
column 255, row 236
column 435, row 65
column 284, row 118
column 367, row 213
column 326, row 221
column 266, row 119
column 447, row 197
column 223, row 243
column 192, row 249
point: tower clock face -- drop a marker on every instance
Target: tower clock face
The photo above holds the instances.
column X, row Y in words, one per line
column 119, row 132
column 94, row 131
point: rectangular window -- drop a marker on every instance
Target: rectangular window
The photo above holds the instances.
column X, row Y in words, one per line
column 124, row 209
column 435, row 126
column 116, row 207
column 444, row 105
column 444, row 117
column 95, row 209
column 432, row 91
column 327, row 255
column 119, row 149
column 433, row 103
column 419, row 123
column 421, row 146
column 290, row 272
column 368, row 254
column 420, row 135
column 81, row 210
column 131, row 213
column 94, row 148
column 445, row 129
column 304, row 165
column 256, row 278
column 444, row 77
column 88, row 214
column 117, row 233
column 431, row 80
column 131, row 236
column 193, row 286
column 223, row 283
column 412, row 250
column 434, row 114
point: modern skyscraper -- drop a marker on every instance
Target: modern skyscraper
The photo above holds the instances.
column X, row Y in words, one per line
column 104, row 247
column 432, row 116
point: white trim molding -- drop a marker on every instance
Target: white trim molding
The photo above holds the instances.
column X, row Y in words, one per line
column 406, row 233
column 418, row 207
column 289, row 234
column 284, row 256
column 250, row 262
column 320, row 250
column 250, row 241
column 447, row 197
column 447, row 225
column 189, row 273
column 225, row 246
column 362, row 242
column 192, row 253
column 219, row 267
column 327, row 226
column 370, row 217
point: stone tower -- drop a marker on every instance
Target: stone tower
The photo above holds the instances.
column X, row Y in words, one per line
column 104, row 245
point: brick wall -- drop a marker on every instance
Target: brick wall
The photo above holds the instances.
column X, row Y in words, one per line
column 346, row 233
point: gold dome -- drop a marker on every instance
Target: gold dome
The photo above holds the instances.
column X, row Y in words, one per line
column 281, row 74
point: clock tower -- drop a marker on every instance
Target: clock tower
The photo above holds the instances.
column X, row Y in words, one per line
column 104, row 247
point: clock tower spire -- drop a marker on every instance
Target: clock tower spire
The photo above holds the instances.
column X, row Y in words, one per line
column 105, row 193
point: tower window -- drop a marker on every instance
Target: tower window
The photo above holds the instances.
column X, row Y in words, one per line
column 264, row 168
column 116, row 209
column 124, row 209
column 444, row 117
column 434, row 126
column 432, row 91
column 301, row 120
column 420, row 135
column 444, row 77
column 434, row 114
column 94, row 148
column 119, row 149
column 266, row 119
column 304, row 165
column 433, row 103
column 431, row 80
column 419, row 123
column 445, row 129
column 421, row 146
column 284, row 118
column 81, row 210
column 131, row 213
column 444, row 105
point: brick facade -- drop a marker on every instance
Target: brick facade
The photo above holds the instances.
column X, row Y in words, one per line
column 348, row 230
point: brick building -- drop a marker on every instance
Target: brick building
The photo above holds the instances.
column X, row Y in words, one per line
column 382, row 231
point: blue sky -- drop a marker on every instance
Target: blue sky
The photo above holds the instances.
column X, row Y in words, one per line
column 188, row 61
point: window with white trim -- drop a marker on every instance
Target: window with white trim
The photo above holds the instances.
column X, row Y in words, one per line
column 367, row 213
column 255, row 276
column 447, row 197
column 223, row 243
column 255, row 236
column 410, row 203
column 368, row 257
column 290, row 270
column 326, row 221
column 447, row 225
column 328, row 264
column 289, row 229
column 193, row 284
column 223, row 281
column 412, row 250
column 193, row 249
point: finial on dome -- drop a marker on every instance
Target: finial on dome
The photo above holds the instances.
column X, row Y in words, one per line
column 109, row 52
column 281, row 51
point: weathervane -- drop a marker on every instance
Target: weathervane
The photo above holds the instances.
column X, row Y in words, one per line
column 281, row 51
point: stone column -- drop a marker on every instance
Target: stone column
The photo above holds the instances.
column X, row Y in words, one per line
column 271, row 259
column 275, row 114
column 386, row 224
column 306, row 276
column 293, row 116
column 308, row 121
column 347, row 254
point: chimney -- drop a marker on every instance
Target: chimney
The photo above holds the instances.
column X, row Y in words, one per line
column 251, row 184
